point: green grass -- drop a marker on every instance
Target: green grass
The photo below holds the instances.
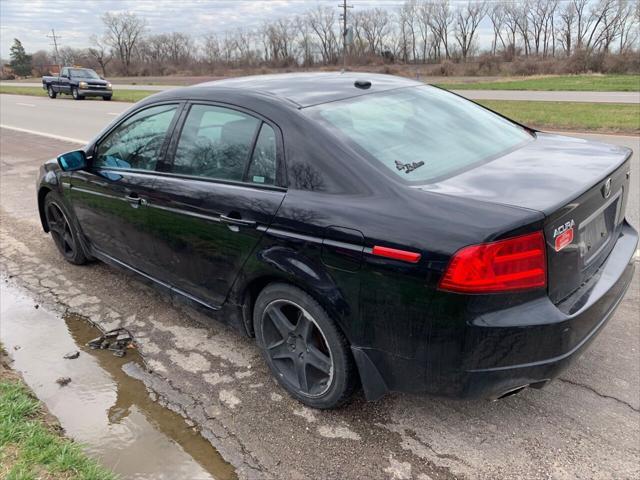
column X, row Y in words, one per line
column 118, row 95
column 605, row 117
column 30, row 449
column 580, row 83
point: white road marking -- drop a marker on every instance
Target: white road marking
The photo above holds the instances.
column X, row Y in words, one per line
column 25, row 104
column 113, row 113
column 44, row 134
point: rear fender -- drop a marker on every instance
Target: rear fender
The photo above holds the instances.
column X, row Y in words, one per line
column 272, row 263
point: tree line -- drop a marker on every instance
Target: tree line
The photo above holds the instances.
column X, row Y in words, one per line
column 417, row 32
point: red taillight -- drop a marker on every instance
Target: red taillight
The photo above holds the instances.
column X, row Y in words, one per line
column 517, row 263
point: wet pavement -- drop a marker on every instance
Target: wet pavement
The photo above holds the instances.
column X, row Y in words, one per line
column 102, row 407
column 584, row 425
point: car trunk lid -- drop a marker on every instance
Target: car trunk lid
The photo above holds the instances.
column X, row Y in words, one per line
column 580, row 186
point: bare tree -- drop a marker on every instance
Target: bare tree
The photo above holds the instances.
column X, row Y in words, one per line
column 375, row 27
column 180, row 48
column 416, row 31
column 322, row 21
column 567, row 24
column 41, row 62
column 424, row 11
column 441, row 20
column 496, row 14
column 540, row 14
column 603, row 22
column 522, row 21
column 278, row 38
column 583, row 21
column 304, row 40
column 511, row 23
column 629, row 26
column 123, row 30
column 100, row 53
column 467, row 19
column 72, row 56
column 211, row 51
column 407, row 21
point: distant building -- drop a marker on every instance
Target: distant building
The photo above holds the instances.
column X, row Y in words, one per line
column 6, row 72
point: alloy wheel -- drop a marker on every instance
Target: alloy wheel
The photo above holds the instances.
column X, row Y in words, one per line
column 60, row 230
column 297, row 348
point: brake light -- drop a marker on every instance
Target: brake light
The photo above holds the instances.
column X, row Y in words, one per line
column 517, row 263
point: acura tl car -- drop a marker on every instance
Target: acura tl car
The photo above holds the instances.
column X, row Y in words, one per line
column 368, row 230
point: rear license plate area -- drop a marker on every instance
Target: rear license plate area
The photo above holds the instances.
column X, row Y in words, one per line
column 597, row 230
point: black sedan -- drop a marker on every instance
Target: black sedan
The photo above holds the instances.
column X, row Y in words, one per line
column 367, row 230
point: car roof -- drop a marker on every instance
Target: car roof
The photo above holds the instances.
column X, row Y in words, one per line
column 306, row 89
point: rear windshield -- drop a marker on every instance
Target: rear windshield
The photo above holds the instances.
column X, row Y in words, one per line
column 421, row 134
column 83, row 73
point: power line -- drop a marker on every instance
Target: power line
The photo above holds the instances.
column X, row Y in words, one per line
column 343, row 15
column 55, row 44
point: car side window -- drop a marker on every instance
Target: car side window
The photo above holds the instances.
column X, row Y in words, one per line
column 65, row 72
column 262, row 169
column 136, row 142
column 215, row 142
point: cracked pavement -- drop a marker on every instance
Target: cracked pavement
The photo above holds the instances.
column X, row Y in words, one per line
column 584, row 425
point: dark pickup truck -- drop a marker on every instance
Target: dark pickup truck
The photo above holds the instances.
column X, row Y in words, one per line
column 79, row 83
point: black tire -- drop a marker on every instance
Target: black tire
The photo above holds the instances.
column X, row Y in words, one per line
column 63, row 233
column 75, row 94
column 107, row 99
column 298, row 350
column 51, row 92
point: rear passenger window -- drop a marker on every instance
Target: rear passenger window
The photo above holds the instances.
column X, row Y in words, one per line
column 263, row 161
column 215, row 143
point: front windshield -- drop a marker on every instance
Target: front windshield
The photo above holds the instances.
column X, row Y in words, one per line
column 83, row 73
column 420, row 133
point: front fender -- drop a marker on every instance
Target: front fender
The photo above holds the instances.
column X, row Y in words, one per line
column 48, row 180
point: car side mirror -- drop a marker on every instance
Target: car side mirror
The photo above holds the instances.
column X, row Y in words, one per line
column 70, row 161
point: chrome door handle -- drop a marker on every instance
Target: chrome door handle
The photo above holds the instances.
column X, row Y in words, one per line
column 238, row 222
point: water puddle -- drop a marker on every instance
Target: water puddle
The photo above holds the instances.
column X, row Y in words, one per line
column 102, row 407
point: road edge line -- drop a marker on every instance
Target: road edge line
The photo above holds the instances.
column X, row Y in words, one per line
column 43, row 134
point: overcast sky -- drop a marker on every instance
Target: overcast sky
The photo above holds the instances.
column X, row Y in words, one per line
column 76, row 20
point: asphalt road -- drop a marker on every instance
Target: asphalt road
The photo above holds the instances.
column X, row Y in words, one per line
column 62, row 117
column 586, row 424
column 591, row 97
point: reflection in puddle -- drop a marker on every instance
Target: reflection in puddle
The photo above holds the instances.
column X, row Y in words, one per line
column 102, row 407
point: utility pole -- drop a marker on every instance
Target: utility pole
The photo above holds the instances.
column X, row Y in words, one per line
column 343, row 15
column 55, row 45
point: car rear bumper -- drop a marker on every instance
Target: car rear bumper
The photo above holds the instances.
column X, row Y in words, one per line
column 95, row 93
column 525, row 345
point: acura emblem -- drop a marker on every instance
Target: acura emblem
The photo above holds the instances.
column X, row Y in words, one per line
column 606, row 188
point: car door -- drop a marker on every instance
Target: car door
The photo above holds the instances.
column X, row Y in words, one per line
column 221, row 190
column 64, row 81
column 110, row 197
